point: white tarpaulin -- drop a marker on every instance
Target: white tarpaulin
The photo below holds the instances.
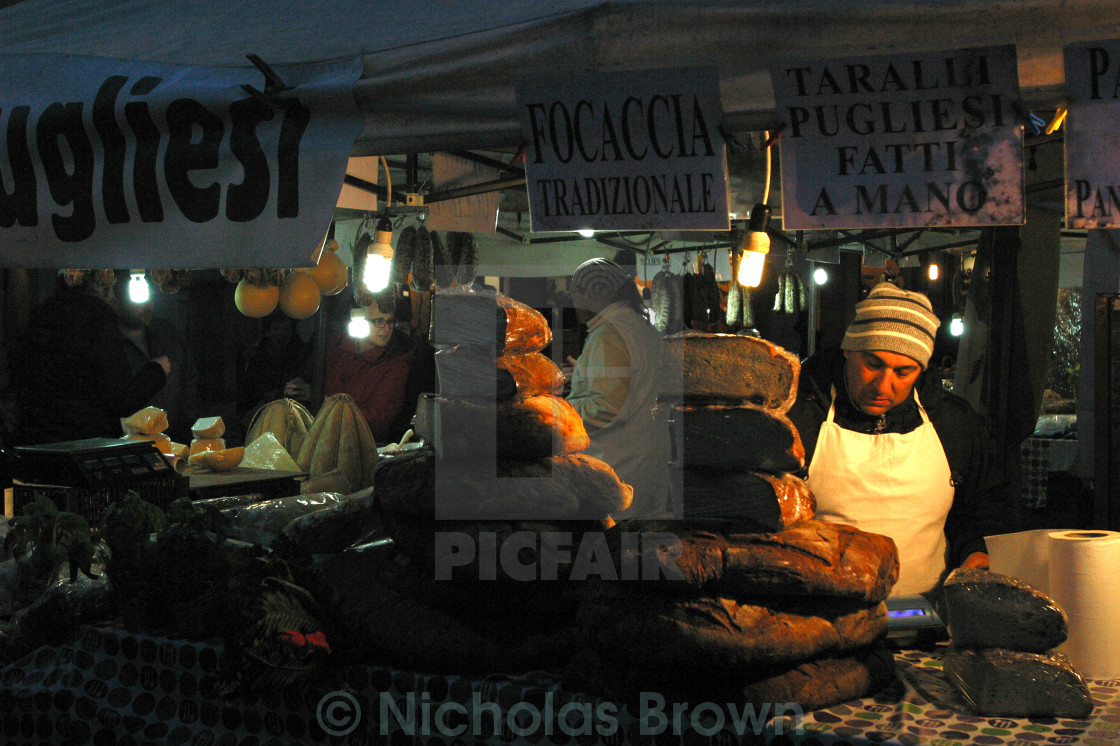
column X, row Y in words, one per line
column 441, row 76
column 100, row 156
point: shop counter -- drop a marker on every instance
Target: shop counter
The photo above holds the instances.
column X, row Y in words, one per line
column 115, row 687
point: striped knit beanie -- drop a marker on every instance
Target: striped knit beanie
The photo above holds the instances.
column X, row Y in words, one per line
column 894, row 320
column 600, row 277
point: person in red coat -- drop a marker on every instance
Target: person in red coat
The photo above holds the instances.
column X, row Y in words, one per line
column 374, row 369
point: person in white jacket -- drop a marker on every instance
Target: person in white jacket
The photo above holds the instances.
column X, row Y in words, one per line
column 614, row 385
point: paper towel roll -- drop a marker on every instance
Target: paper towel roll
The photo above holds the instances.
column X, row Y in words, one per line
column 1084, row 578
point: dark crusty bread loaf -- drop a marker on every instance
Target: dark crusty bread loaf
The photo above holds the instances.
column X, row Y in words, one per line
column 735, row 438
column 755, row 501
column 991, row 610
column 810, row 558
column 1011, row 683
column 470, row 371
column 534, row 427
column 700, row 367
column 468, row 316
column 812, row 684
column 659, row 630
column 418, row 486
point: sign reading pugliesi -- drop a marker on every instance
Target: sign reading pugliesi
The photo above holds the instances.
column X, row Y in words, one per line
column 634, row 150
column 929, row 139
column 120, row 163
column 1092, row 138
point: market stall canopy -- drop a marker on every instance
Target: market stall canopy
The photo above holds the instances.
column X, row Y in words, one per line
column 441, row 76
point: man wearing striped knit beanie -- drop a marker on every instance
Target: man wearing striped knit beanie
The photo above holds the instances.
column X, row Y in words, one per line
column 889, row 451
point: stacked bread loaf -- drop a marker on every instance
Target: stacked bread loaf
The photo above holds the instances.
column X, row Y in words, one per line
column 1002, row 656
column 747, row 598
column 502, row 491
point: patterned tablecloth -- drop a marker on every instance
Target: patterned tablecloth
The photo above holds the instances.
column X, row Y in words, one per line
column 113, row 688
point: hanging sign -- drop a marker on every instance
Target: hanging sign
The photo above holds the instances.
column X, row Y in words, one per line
column 1092, row 72
column 109, row 163
column 635, row 150
column 913, row 140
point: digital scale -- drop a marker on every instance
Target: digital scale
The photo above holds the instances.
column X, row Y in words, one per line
column 910, row 618
column 86, row 476
column 89, row 463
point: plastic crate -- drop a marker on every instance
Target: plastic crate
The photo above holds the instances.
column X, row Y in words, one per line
column 90, row 503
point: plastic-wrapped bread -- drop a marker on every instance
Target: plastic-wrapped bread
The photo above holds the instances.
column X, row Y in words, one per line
column 699, row 367
column 997, row 682
column 992, row 610
column 469, row 316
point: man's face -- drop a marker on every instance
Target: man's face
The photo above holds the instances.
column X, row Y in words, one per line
column 879, row 381
column 586, row 304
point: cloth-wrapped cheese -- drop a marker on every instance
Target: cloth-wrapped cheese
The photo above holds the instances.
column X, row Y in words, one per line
column 471, row 316
column 992, row 610
column 701, row 367
column 997, row 682
column 535, row 427
column 735, row 438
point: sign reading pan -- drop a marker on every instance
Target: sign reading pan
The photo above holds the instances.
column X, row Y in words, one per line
column 1092, row 136
column 927, row 139
column 635, row 150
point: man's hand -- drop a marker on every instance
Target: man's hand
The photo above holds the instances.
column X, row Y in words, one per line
column 977, row 560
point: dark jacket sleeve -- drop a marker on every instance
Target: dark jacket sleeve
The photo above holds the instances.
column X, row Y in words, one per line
column 983, row 504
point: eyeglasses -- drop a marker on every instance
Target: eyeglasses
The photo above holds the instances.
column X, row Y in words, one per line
column 381, row 323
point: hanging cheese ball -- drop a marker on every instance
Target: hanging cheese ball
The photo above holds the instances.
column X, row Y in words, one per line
column 255, row 300
column 299, row 295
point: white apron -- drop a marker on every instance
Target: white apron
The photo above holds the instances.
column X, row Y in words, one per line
column 895, row 484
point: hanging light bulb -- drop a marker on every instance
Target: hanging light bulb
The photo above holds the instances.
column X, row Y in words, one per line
column 756, row 245
column 138, row 290
column 379, row 260
column 956, row 325
column 934, row 271
column 586, row 232
column 820, row 275
column 359, row 324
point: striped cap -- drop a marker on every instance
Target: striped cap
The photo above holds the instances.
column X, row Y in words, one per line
column 894, row 320
column 600, row 277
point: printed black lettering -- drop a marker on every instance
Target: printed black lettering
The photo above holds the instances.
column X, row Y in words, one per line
column 184, row 155
column 113, row 141
column 581, row 107
column 145, row 183
column 18, row 205
column 627, row 130
column 296, row 118
column 61, row 138
column 246, row 201
column 536, row 111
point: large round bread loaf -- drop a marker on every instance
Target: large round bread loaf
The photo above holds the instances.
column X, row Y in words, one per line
column 735, row 438
column 812, row 684
column 636, row 623
column 419, row 486
column 529, row 428
column 466, row 315
column 810, row 558
column 754, row 501
column 997, row 682
column 470, row 371
column 700, row 367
